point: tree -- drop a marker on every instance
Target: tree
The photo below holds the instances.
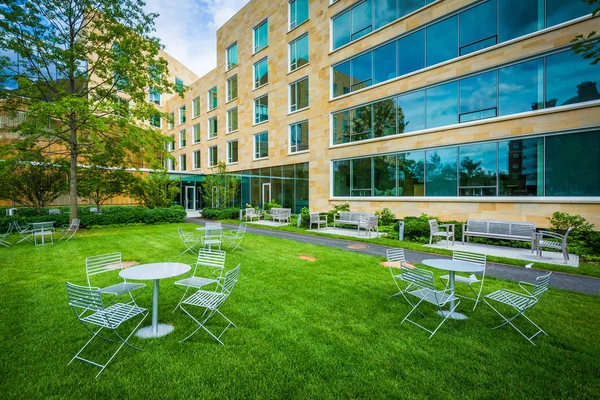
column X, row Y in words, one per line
column 157, row 190
column 101, row 184
column 589, row 50
column 82, row 70
column 220, row 188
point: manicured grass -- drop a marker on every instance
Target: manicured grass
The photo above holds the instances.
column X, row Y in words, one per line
column 322, row 329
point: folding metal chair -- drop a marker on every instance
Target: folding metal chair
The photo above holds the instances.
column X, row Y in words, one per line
column 87, row 305
column 212, row 262
column 70, row 230
column 24, row 231
column 4, row 235
column 424, row 290
column 236, row 237
column 396, row 256
column 474, row 258
column 520, row 303
column 189, row 241
column 212, row 236
column 109, row 263
column 212, row 302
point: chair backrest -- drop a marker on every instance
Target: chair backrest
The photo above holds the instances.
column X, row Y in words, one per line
column 53, row 211
column 250, row 212
column 241, row 230
column 541, row 285
column 433, row 225
column 395, row 255
column 93, row 210
column 373, row 221
column 103, row 263
column 20, row 227
column 564, row 240
column 314, row 217
column 474, row 258
column 212, row 224
column 181, row 233
column 419, row 277
column 75, row 223
column 84, row 298
column 9, row 229
column 231, row 278
column 213, row 232
column 211, row 258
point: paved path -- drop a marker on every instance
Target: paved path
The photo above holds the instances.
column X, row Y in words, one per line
column 576, row 283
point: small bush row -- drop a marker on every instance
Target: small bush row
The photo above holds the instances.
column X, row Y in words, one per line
column 217, row 214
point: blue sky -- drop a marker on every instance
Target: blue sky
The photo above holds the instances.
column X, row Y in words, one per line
column 188, row 28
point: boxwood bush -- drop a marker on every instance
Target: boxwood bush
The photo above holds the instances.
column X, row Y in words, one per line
column 218, row 213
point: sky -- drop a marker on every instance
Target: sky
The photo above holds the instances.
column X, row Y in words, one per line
column 188, row 29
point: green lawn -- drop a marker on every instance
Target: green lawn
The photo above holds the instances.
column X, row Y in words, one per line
column 322, row 329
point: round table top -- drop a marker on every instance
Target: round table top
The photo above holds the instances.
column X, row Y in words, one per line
column 453, row 265
column 159, row 270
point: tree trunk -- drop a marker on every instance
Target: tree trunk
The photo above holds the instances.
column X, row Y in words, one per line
column 74, row 210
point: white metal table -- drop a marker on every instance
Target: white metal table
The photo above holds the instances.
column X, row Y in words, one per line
column 42, row 229
column 453, row 266
column 155, row 272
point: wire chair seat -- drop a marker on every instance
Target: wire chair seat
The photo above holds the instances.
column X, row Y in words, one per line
column 195, row 281
column 434, row 297
column 121, row 288
column 114, row 316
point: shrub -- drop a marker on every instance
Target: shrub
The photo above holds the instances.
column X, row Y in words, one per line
column 305, row 215
column 386, row 217
column 218, row 213
column 272, row 204
column 336, row 209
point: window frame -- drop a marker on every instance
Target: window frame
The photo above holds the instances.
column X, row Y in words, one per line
column 290, row 147
column 229, row 88
column 290, row 51
column 296, row 82
column 294, row 24
column 195, row 101
column 254, row 73
column 209, row 98
column 196, row 138
column 228, row 65
column 229, row 148
column 254, row 103
column 196, row 159
column 182, row 138
column 228, row 130
column 216, row 133
column 255, row 30
column 182, row 115
column 182, row 162
column 255, row 141
column 212, row 162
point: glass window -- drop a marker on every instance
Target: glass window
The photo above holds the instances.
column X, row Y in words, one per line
column 411, row 52
column 521, row 87
column 196, row 159
column 299, row 95
column 298, row 12
column 182, row 162
column 182, row 139
column 213, row 100
column 384, row 175
column 232, row 120
column 182, row 115
column 196, row 133
column 232, row 152
column 520, row 167
column 385, row 12
column 478, row 96
column 362, row 22
column 196, row 107
column 361, row 126
column 154, row 96
column 361, row 68
column 261, row 145
column 478, row 27
column 407, row 6
column 384, row 63
column 261, row 36
column 179, row 84
column 341, row 178
column 341, row 29
column 341, row 127
column 477, row 169
column 299, row 52
column 361, row 177
column 341, row 79
column 411, row 174
column 299, row 137
column 570, row 79
column 441, row 172
column 232, row 88
column 213, row 156
column 261, row 73
column 442, row 41
column 573, row 164
column 559, row 11
column 411, row 112
column 171, row 144
column 171, row 120
column 384, row 118
column 520, row 17
column 212, row 127
column 261, row 109
column 232, row 56
column 155, row 121
column 442, row 105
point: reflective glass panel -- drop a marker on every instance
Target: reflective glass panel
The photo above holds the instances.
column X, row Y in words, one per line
column 299, row 52
column 361, row 20
column 261, row 145
column 232, row 56
column 384, row 118
column 478, row 96
column 441, row 172
column 442, row 41
column 341, row 79
column 411, row 52
column 261, row 36
column 384, row 174
column 341, row 127
column 341, row 178
column 362, row 123
column 299, row 137
column 442, row 105
column 341, row 30
column 477, row 169
column 385, row 12
column 411, row 112
column 559, row 11
column 570, row 79
column 411, row 174
column 476, row 25
column 520, row 167
column 407, row 6
column 261, row 73
column 261, row 109
column 520, row 17
column 361, row 177
column 384, row 63
column 362, row 71
column 521, row 87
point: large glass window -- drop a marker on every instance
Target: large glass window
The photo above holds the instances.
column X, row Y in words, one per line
column 299, row 95
column 171, row 120
column 352, row 24
column 182, row 117
column 196, row 133
column 573, row 164
column 521, row 87
column 361, row 69
column 299, row 137
column 384, row 175
column 232, row 120
column 411, row 174
column 520, row 167
column 232, row 56
column 232, row 88
column 261, row 73
column 361, row 126
column 232, row 152
column 442, row 39
column 520, row 17
column 298, row 12
column 261, row 109
column 299, row 52
column 212, row 127
column 196, row 159
column 384, row 118
column 182, row 138
column 573, row 79
column 411, row 52
column 261, row 36
column 154, row 96
column 411, row 112
column 196, row 107
column 341, row 178
column 407, row 6
column 341, row 79
column 155, row 121
column 559, row 11
column 478, row 96
column 384, row 63
column 384, row 12
column 179, row 85
column 478, row 27
column 182, row 162
column 477, row 170
column 361, row 177
column 213, row 99
column 341, row 127
column 261, row 145
column 442, row 105
column 441, row 172
column 213, row 156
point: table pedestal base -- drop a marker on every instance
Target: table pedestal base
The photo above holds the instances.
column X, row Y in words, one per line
column 454, row 315
column 148, row 332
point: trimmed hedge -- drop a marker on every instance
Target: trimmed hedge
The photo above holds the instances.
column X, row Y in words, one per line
column 217, row 213
column 111, row 215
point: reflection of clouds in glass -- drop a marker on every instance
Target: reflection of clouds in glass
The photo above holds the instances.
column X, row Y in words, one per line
column 484, row 153
column 564, row 73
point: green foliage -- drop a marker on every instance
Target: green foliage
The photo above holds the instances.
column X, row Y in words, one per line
column 101, row 184
column 157, row 190
column 386, row 217
column 305, row 217
column 562, row 221
column 588, row 49
column 221, row 187
column 221, row 213
column 336, row 209
column 272, row 204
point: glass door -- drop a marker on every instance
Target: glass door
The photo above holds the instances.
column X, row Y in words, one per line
column 190, row 198
column 266, row 194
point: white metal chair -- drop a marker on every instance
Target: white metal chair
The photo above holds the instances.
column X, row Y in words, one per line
column 316, row 218
column 520, row 303
column 90, row 310
column 212, row 236
column 435, row 231
column 4, row 235
column 24, row 231
column 189, row 241
column 424, row 289
column 555, row 241
column 70, row 230
column 250, row 214
column 235, row 238
column 369, row 224
column 42, row 230
column 110, row 263
column 53, row 211
column 396, row 256
column 212, row 263
column 212, row 302
column 474, row 258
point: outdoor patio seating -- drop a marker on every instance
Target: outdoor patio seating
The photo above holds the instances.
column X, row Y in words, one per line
column 110, row 263
column 208, row 270
column 396, row 265
column 552, row 240
column 349, row 218
column 4, row 235
column 423, row 288
column 520, row 303
column 282, row 215
column 507, row 230
column 369, row 224
column 474, row 258
column 189, row 240
column 90, row 310
column 235, row 238
column 316, row 218
column 212, row 235
column 447, row 232
column 250, row 214
column 24, row 231
column 70, row 230
column 53, row 211
column 41, row 230
column 212, row 301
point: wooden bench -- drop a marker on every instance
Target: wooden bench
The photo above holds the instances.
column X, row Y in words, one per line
column 350, row 218
column 507, row 230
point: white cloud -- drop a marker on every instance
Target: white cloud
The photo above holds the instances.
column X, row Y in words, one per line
column 188, row 29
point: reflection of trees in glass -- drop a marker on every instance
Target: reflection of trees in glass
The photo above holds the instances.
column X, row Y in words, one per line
column 410, row 173
column 473, row 174
column 384, row 121
column 436, row 169
column 385, row 175
column 441, row 173
column 361, row 123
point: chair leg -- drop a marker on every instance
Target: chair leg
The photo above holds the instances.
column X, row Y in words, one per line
column 509, row 321
column 202, row 323
column 445, row 318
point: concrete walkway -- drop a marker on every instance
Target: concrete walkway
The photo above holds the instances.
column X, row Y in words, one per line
column 575, row 283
